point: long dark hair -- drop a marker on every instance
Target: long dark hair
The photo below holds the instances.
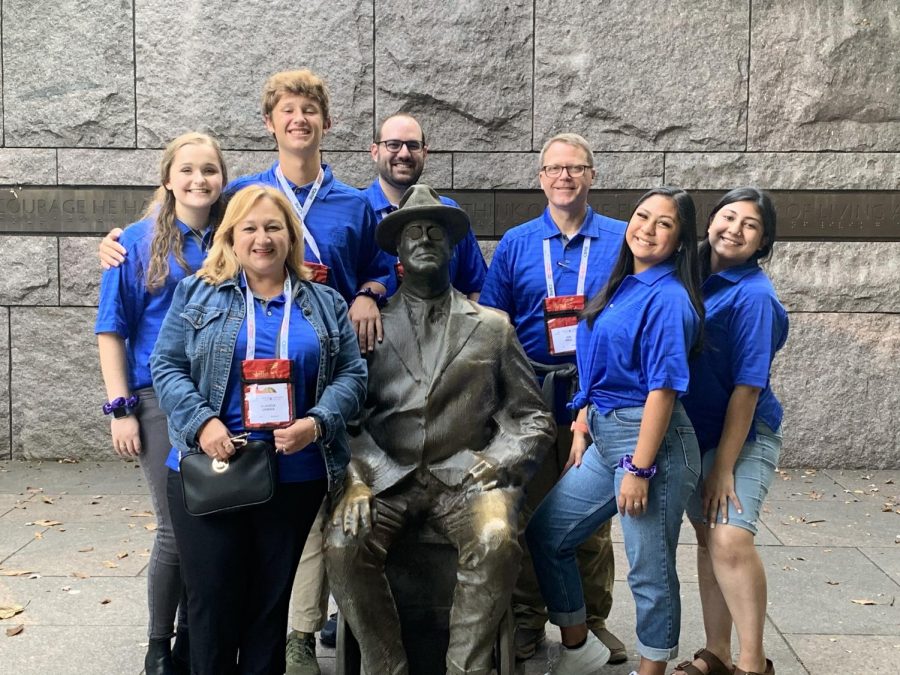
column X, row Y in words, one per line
column 763, row 203
column 686, row 266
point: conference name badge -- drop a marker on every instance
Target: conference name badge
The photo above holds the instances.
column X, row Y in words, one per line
column 319, row 272
column 267, row 393
column 561, row 322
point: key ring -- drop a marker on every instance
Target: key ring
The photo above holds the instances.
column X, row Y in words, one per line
column 240, row 440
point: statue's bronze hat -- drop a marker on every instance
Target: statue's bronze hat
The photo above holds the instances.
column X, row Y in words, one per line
column 420, row 202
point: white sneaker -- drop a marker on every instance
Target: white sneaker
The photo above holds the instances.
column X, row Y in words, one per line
column 586, row 660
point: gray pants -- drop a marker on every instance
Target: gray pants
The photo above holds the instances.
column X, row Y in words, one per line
column 164, row 573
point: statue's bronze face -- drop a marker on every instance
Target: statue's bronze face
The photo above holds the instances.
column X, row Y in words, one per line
column 424, row 248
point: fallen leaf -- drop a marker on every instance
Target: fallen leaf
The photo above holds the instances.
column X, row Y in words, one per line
column 38, row 535
column 47, row 500
column 105, row 601
column 142, row 514
column 14, row 573
column 15, row 630
column 66, row 589
column 122, row 554
column 86, row 549
column 9, row 611
column 34, row 490
column 43, row 522
column 889, row 481
column 833, row 583
column 97, row 497
column 151, row 526
column 81, row 575
column 67, row 460
column 864, row 601
column 110, row 564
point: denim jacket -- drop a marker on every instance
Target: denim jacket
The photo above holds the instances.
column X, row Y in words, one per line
column 192, row 360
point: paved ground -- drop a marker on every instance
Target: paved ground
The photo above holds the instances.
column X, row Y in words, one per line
column 75, row 540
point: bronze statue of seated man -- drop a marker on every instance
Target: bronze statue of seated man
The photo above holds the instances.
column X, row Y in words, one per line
column 453, row 429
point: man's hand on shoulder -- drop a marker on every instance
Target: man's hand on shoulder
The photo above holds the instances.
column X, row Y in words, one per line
column 111, row 252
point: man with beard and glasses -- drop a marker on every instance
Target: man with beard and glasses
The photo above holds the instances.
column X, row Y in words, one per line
column 399, row 153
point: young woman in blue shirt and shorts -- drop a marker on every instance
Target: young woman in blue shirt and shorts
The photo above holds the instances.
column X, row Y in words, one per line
column 167, row 245
column 738, row 424
column 632, row 351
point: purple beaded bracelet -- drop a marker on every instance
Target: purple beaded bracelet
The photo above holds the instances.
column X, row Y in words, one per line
column 647, row 473
column 121, row 402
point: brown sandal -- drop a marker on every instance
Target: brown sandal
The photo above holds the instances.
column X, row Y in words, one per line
column 770, row 670
column 715, row 665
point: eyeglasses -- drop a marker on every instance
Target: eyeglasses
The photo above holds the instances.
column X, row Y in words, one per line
column 435, row 232
column 394, row 145
column 574, row 170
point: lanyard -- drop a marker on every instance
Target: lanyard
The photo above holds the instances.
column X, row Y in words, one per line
column 301, row 211
column 285, row 320
column 582, row 270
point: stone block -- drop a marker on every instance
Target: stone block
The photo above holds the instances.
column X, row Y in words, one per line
column 872, row 654
column 109, row 167
column 837, row 379
column 824, row 76
column 24, row 166
column 197, row 69
column 5, row 441
column 244, row 162
column 358, row 169
column 829, row 276
column 488, row 247
column 68, row 422
column 68, row 73
column 79, row 270
column 519, row 171
column 66, row 650
column 30, row 275
column 643, row 75
column 784, row 170
column 463, row 69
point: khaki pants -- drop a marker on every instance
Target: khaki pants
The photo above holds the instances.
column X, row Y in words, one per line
column 309, row 597
column 595, row 556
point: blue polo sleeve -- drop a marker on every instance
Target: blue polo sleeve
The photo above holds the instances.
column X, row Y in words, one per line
column 120, row 300
column 471, row 268
column 497, row 290
column 669, row 330
column 374, row 264
column 757, row 333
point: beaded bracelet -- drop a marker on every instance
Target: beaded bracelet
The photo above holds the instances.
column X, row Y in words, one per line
column 121, row 407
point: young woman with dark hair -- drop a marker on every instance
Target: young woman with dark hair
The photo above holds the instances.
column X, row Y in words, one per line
column 738, row 423
column 632, row 351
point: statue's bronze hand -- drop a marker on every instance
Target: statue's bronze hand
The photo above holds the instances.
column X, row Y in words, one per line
column 485, row 475
column 356, row 510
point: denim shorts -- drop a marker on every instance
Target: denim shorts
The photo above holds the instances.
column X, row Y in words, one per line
column 753, row 475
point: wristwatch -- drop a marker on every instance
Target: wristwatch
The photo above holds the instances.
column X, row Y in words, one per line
column 379, row 298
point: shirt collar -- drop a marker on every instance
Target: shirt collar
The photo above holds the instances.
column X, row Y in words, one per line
column 186, row 229
column 377, row 198
column 738, row 272
column 588, row 226
column 657, row 272
column 327, row 181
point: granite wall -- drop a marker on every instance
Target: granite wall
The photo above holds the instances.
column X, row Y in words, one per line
column 703, row 93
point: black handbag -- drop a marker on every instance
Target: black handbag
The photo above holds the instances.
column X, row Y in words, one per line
column 213, row 486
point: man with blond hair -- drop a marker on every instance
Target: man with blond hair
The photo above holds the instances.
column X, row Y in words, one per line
column 540, row 275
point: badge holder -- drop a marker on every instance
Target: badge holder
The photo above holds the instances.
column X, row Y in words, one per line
column 561, row 322
column 267, row 387
column 319, row 272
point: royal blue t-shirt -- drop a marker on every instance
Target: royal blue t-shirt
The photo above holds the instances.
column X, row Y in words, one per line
column 303, row 346
column 343, row 226
column 467, row 266
column 128, row 309
column 745, row 326
column 638, row 343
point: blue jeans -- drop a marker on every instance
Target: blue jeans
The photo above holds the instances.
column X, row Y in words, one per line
column 585, row 498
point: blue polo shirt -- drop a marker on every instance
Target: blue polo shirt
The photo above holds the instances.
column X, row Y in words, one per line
column 303, row 346
column 343, row 225
column 516, row 284
column 638, row 343
column 128, row 309
column 467, row 266
column 745, row 325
